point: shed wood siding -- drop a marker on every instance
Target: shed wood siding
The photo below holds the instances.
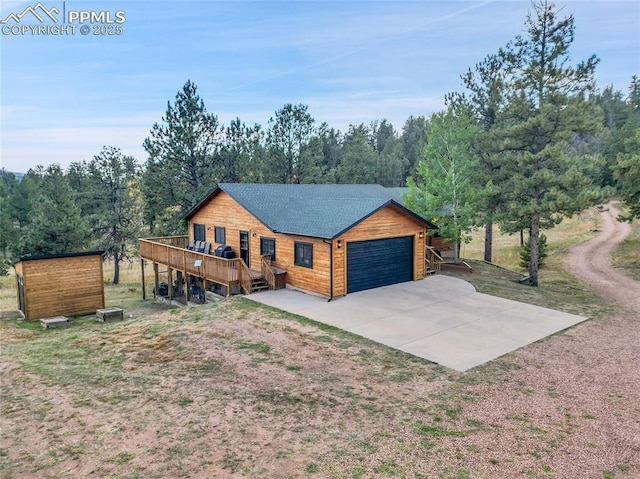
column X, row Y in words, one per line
column 222, row 210
column 69, row 286
column 389, row 222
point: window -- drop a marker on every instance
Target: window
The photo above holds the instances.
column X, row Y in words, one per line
column 268, row 246
column 198, row 232
column 220, row 235
column 303, row 254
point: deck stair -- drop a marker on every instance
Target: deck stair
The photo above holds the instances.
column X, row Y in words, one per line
column 258, row 282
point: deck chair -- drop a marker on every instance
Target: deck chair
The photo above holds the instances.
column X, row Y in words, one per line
column 207, row 248
column 199, row 247
column 191, row 245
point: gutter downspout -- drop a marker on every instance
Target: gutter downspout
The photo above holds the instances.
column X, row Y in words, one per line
column 330, row 243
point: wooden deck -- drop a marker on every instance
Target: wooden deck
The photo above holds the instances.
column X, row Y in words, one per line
column 171, row 252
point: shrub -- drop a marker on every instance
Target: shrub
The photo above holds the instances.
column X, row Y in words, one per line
column 5, row 264
column 525, row 252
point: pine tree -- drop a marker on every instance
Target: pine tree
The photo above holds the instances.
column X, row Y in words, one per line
column 8, row 232
column 57, row 225
column 547, row 108
column 181, row 166
column 112, row 186
column 525, row 252
column 291, row 157
column 359, row 159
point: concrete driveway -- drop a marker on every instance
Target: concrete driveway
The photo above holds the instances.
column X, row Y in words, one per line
column 440, row 318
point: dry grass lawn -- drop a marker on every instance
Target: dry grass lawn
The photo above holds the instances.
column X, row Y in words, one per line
column 235, row 389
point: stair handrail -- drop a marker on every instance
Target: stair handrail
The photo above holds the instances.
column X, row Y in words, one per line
column 267, row 271
column 245, row 277
column 433, row 258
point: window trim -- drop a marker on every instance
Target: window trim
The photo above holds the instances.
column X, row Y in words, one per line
column 262, row 249
column 299, row 248
column 219, row 232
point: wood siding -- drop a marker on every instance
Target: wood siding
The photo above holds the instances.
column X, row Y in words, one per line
column 390, row 222
column 67, row 286
column 224, row 211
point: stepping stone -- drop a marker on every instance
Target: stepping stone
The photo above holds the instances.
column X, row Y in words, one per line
column 109, row 314
column 55, row 322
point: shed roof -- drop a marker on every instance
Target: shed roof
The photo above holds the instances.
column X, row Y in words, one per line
column 320, row 211
column 59, row 255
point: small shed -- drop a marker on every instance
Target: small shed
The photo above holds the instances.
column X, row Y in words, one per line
column 60, row 285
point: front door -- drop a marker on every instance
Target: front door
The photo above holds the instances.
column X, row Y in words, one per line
column 244, row 246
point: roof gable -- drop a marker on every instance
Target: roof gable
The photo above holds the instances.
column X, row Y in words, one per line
column 321, row 211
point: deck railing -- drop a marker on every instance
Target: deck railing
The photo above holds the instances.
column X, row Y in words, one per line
column 170, row 251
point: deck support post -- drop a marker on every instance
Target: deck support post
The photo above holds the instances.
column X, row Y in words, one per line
column 144, row 290
column 187, row 288
column 170, row 280
column 156, row 279
column 205, row 287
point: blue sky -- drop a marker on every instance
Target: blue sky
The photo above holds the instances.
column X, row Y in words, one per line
column 63, row 97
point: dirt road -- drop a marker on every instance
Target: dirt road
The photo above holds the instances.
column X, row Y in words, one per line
column 591, row 263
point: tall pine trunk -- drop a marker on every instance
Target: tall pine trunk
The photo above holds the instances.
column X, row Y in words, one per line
column 488, row 240
column 116, row 267
column 534, row 237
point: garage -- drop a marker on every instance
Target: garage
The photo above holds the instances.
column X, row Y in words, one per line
column 375, row 263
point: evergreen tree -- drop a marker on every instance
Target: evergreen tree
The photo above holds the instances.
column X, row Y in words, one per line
column 331, row 144
column 547, row 109
column 627, row 168
column 391, row 164
column 290, row 156
column 8, row 232
column 22, row 197
column 112, row 186
column 525, row 252
column 181, row 166
column 56, row 225
column 359, row 159
column 634, row 94
column 413, row 139
column 241, row 154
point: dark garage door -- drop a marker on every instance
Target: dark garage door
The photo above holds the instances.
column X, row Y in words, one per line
column 375, row 263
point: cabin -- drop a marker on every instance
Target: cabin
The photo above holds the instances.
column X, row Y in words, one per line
column 59, row 285
column 331, row 240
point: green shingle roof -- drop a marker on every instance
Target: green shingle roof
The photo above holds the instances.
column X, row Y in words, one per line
column 397, row 192
column 320, row 211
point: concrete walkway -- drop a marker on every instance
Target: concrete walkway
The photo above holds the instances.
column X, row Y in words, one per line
column 440, row 318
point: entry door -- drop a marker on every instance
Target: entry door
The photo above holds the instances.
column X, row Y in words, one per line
column 244, row 246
